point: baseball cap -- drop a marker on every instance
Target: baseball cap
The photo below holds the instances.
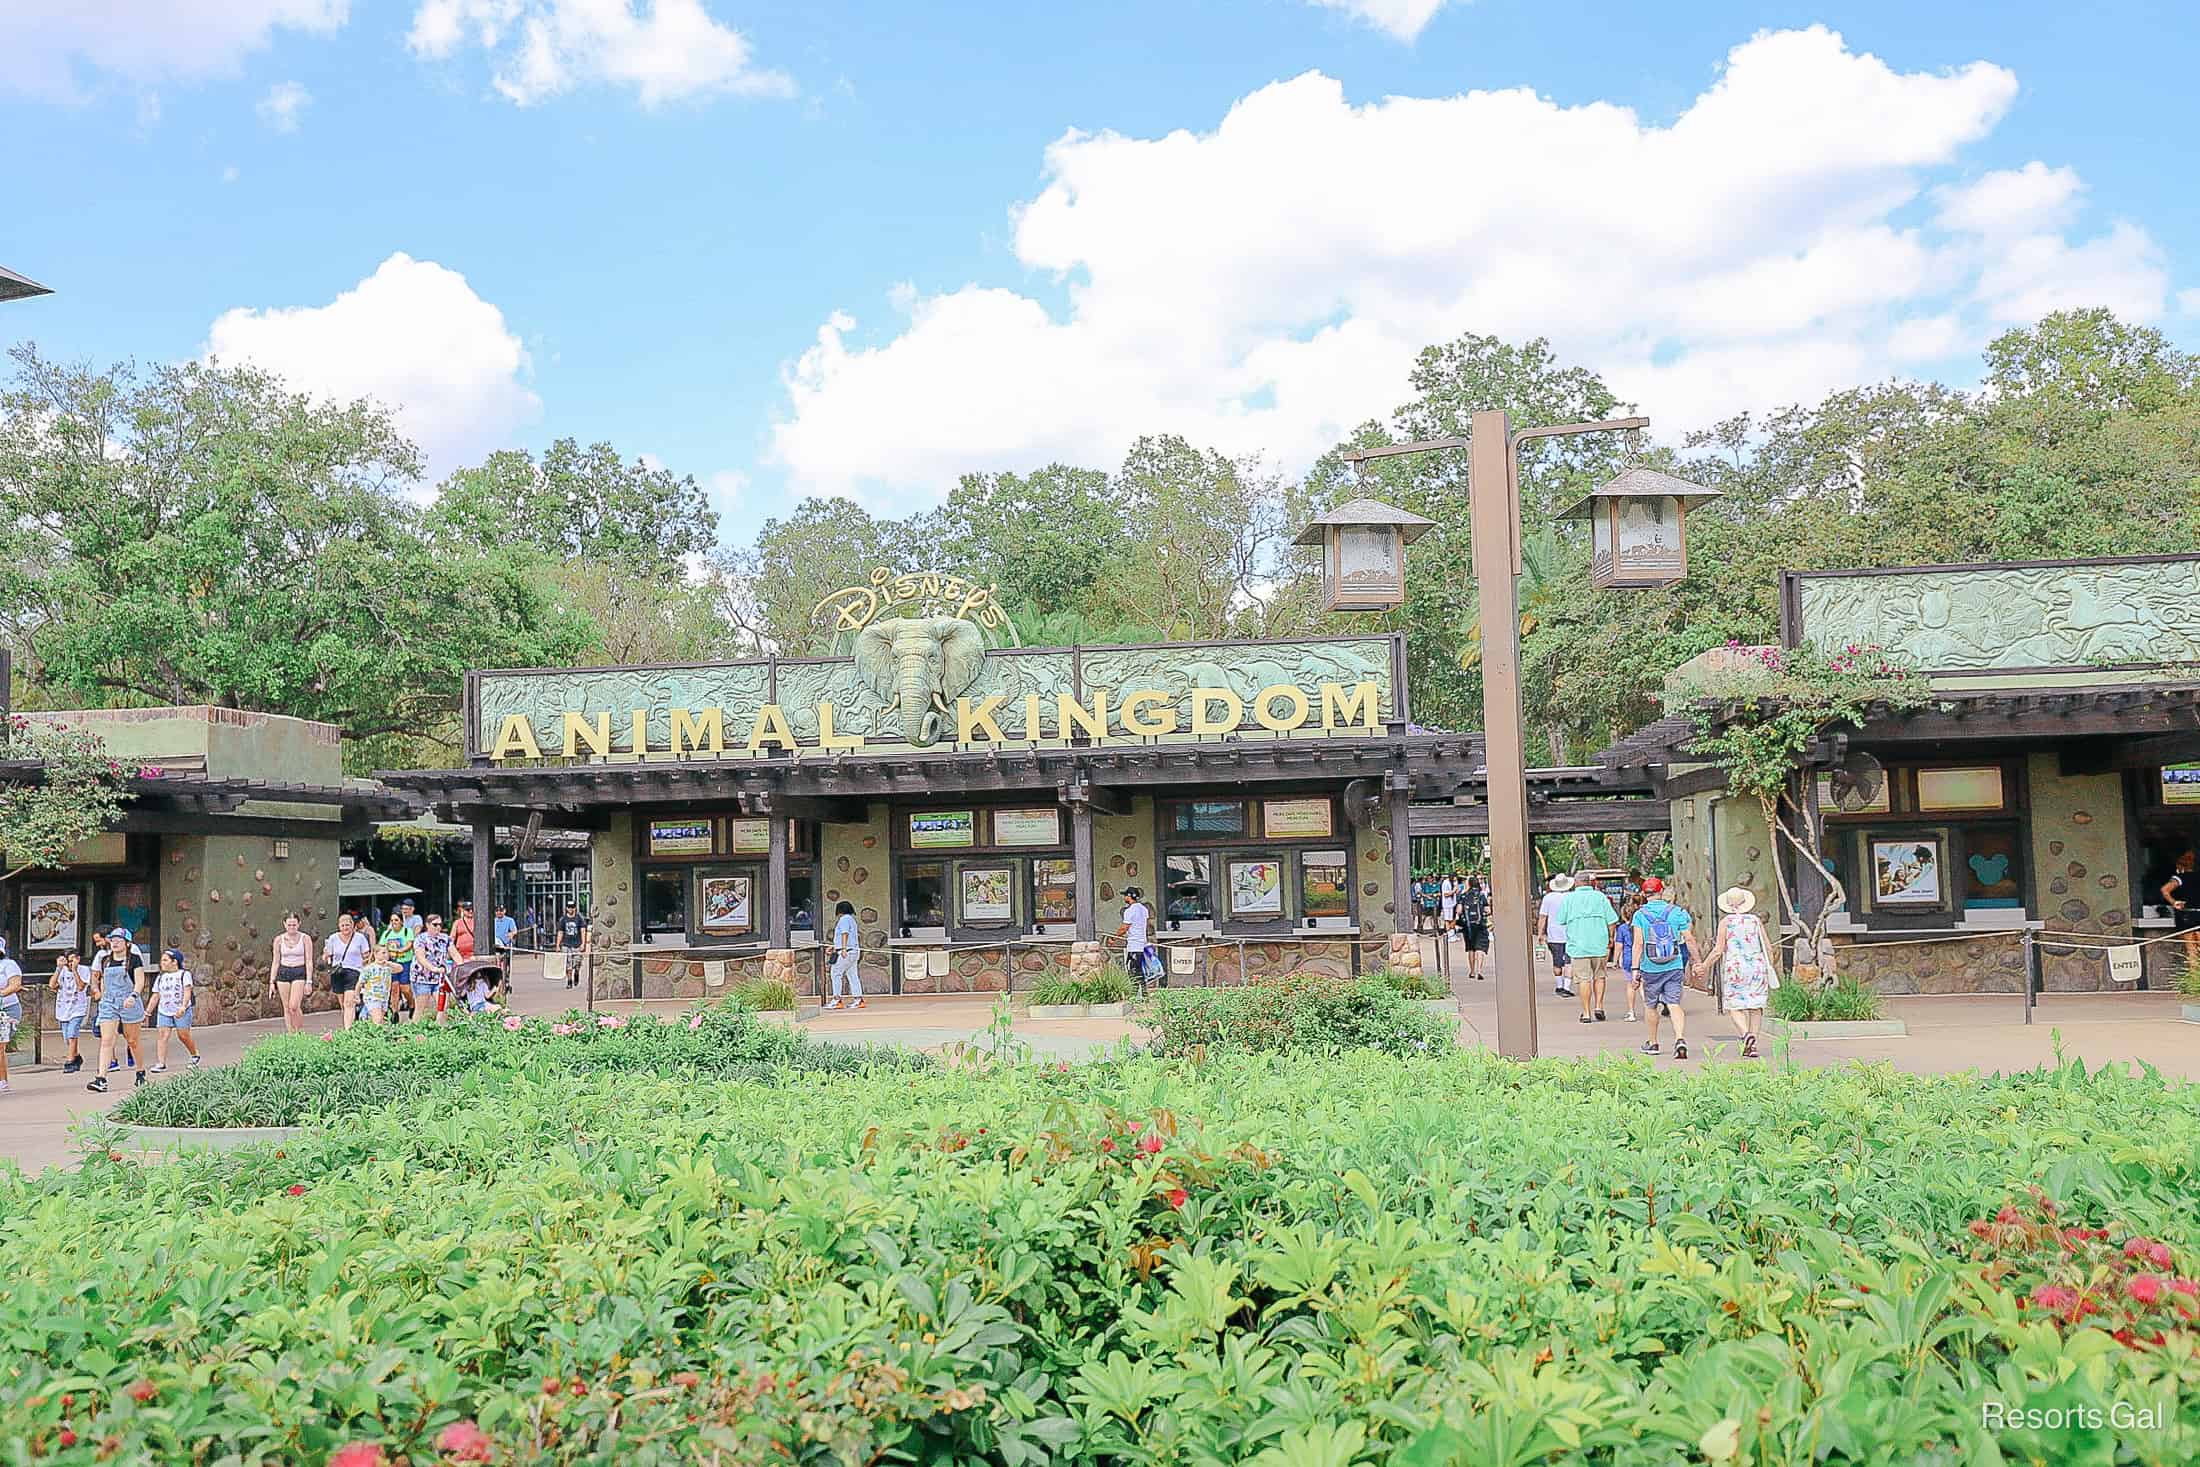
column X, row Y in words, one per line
column 1651, row 886
column 121, row 932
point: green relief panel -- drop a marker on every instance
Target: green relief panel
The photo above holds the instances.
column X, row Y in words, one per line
column 1244, row 668
column 544, row 698
column 2013, row 616
column 856, row 710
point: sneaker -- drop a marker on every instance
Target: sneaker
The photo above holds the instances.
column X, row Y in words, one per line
column 1749, row 1046
column 161, row 1068
column 70, row 1067
column 141, row 1079
column 195, row 1060
column 131, row 1061
column 1565, row 992
column 1680, row 1049
column 1631, row 1017
column 98, row 1086
column 3, row 1087
column 1649, row 1048
column 1587, row 1020
column 1600, row 1016
column 857, row 1004
column 832, row 1004
column 113, row 1065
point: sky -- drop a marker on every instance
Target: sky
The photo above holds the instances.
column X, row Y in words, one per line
column 862, row 249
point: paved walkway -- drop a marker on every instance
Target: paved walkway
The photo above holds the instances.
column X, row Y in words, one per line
column 1946, row 1035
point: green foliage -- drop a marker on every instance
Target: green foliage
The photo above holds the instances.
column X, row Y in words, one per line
column 1846, row 999
column 284, row 1079
column 1110, row 985
column 578, row 503
column 2188, row 978
column 1760, row 716
column 1275, row 1258
column 1312, row 1012
column 1413, row 985
column 78, row 795
column 765, row 995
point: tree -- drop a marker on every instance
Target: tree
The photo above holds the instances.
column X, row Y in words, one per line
column 1050, row 540
column 198, row 534
column 797, row 561
column 74, row 794
column 1211, row 553
column 578, row 503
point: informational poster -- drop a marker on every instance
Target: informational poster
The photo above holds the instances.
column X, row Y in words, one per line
column 1053, row 891
column 724, row 903
column 54, row 921
column 2181, row 784
column 679, row 837
column 1906, row 873
column 934, row 830
column 1211, row 817
column 1256, row 888
column 1959, row 789
column 1325, row 884
column 987, row 893
column 1034, row 827
column 1287, row 818
column 751, row 837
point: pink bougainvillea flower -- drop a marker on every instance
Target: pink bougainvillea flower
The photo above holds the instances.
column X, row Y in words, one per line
column 561, row 1030
column 1150, row 1145
column 695, row 1021
column 2190, row 1288
column 2144, row 1287
column 2054, row 1296
column 358, row 1454
column 514, row 1022
column 1178, row 1197
column 1136, row 1126
column 608, row 1021
column 296, row 1189
column 2160, row 1256
column 462, row 1441
column 2138, row 1247
column 326, row 1038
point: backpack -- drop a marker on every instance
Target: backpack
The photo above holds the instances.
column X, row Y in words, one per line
column 1660, row 947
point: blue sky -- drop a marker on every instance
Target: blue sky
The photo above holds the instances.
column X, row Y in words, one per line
column 639, row 232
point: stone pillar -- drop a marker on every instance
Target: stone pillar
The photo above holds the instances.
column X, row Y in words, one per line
column 1405, row 953
column 779, row 967
column 1086, row 958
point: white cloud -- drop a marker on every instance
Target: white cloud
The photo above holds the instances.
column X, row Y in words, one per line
column 2188, row 301
column 1401, row 19
column 1264, row 286
column 281, row 107
column 667, row 50
column 414, row 336
column 229, row 173
column 53, row 49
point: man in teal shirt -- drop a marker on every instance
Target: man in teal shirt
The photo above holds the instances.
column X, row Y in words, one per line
column 1587, row 916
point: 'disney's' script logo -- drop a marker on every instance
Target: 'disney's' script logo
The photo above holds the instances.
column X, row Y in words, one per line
column 852, row 608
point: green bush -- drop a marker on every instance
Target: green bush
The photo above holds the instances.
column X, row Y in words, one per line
column 1277, row 1259
column 2188, row 979
column 1847, row 999
column 1306, row 1011
column 765, row 995
column 286, row 1078
column 1110, row 985
column 1414, row 985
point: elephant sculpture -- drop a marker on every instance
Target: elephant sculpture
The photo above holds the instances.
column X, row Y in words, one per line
column 920, row 665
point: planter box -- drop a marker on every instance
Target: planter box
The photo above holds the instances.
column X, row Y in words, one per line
column 217, row 1138
column 1120, row 1010
column 1838, row 1028
column 2192, row 1013
column 1079, row 1010
column 1448, row 1007
column 776, row 1016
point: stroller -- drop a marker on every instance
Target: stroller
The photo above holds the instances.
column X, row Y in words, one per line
column 473, row 970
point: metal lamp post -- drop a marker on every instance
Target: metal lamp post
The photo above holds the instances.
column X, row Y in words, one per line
column 1493, row 492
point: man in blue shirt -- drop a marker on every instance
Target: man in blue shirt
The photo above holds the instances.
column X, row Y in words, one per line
column 1661, row 955
column 506, row 929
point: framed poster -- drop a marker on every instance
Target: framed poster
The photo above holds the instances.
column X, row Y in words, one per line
column 2181, row 784
column 932, row 830
column 722, row 904
column 679, row 837
column 986, row 893
column 1960, row 789
column 54, row 920
column 1053, row 891
column 1285, row 818
column 1325, row 884
column 1040, row 826
column 1907, row 872
column 1210, row 817
column 750, row 837
column 1256, row 888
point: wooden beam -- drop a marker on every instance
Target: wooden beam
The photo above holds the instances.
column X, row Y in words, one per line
column 1705, row 781
column 2108, row 756
column 1548, row 817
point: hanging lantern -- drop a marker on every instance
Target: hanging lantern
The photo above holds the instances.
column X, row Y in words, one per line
column 1363, row 544
column 1638, row 529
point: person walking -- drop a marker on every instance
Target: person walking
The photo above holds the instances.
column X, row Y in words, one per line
column 376, row 979
column 1586, row 916
column 847, row 953
column 431, row 970
column 1131, row 931
column 344, row 955
column 572, row 941
column 120, row 972
column 1661, row 953
column 1447, row 913
column 462, row 932
column 506, row 929
column 1623, row 950
column 174, row 998
column 1743, row 953
column 1550, row 934
column 1473, row 914
column 397, row 946
column 11, row 1007
column 72, row 1005
column 2182, row 893
column 290, row 972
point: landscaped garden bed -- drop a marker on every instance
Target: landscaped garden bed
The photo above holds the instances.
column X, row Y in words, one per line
column 1804, row 1008
column 1328, row 1259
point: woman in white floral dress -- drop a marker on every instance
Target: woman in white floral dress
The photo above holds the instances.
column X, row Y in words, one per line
column 1741, row 948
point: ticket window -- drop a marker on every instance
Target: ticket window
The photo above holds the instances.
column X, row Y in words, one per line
column 922, row 899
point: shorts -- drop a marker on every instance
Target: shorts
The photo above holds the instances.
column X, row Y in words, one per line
column 72, row 1027
column 122, row 1011
column 342, row 980
column 424, row 992
column 11, row 1019
column 374, row 1006
column 175, row 1021
column 1663, row 989
column 401, row 974
column 1477, row 936
column 1558, row 955
column 2183, row 919
column 1587, row 967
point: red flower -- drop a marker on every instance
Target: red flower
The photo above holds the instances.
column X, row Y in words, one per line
column 2160, row 1255
column 686, row 1379
column 2008, row 1215
column 2190, row 1288
column 1150, row 1145
column 2144, row 1287
column 67, row 1437
column 464, row 1441
column 1178, row 1197
column 114, row 1156
column 2138, row 1247
column 142, row 1391
column 551, row 1385
column 1107, row 1143
column 1136, row 1127
column 2054, row 1296
column 296, row 1189
column 358, row 1454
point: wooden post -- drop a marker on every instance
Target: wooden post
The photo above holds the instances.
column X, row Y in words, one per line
column 776, row 878
column 485, row 865
column 1088, row 877
column 1401, row 857
column 1495, row 498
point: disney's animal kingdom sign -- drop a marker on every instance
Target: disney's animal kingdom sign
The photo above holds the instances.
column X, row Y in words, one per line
column 917, row 682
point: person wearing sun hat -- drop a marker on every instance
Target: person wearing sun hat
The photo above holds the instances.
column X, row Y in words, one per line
column 1661, row 955
column 1743, row 953
column 1550, row 934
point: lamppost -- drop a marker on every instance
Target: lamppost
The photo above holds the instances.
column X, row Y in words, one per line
column 1493, row 495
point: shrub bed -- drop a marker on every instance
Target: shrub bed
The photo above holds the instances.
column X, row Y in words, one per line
column 1110, row 985
column 1307, row 1011
column 286, row 1079
column 1845, row 1000
column 1273, row 1258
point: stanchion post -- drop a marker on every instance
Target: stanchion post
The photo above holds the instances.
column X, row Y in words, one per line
column 2031, row 972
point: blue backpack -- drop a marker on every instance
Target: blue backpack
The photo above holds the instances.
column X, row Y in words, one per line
column 1661, row 947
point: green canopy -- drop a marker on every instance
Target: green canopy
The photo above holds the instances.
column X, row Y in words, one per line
column 361, row 882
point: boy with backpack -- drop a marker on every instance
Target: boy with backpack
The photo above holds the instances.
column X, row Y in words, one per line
column 1661, row 956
